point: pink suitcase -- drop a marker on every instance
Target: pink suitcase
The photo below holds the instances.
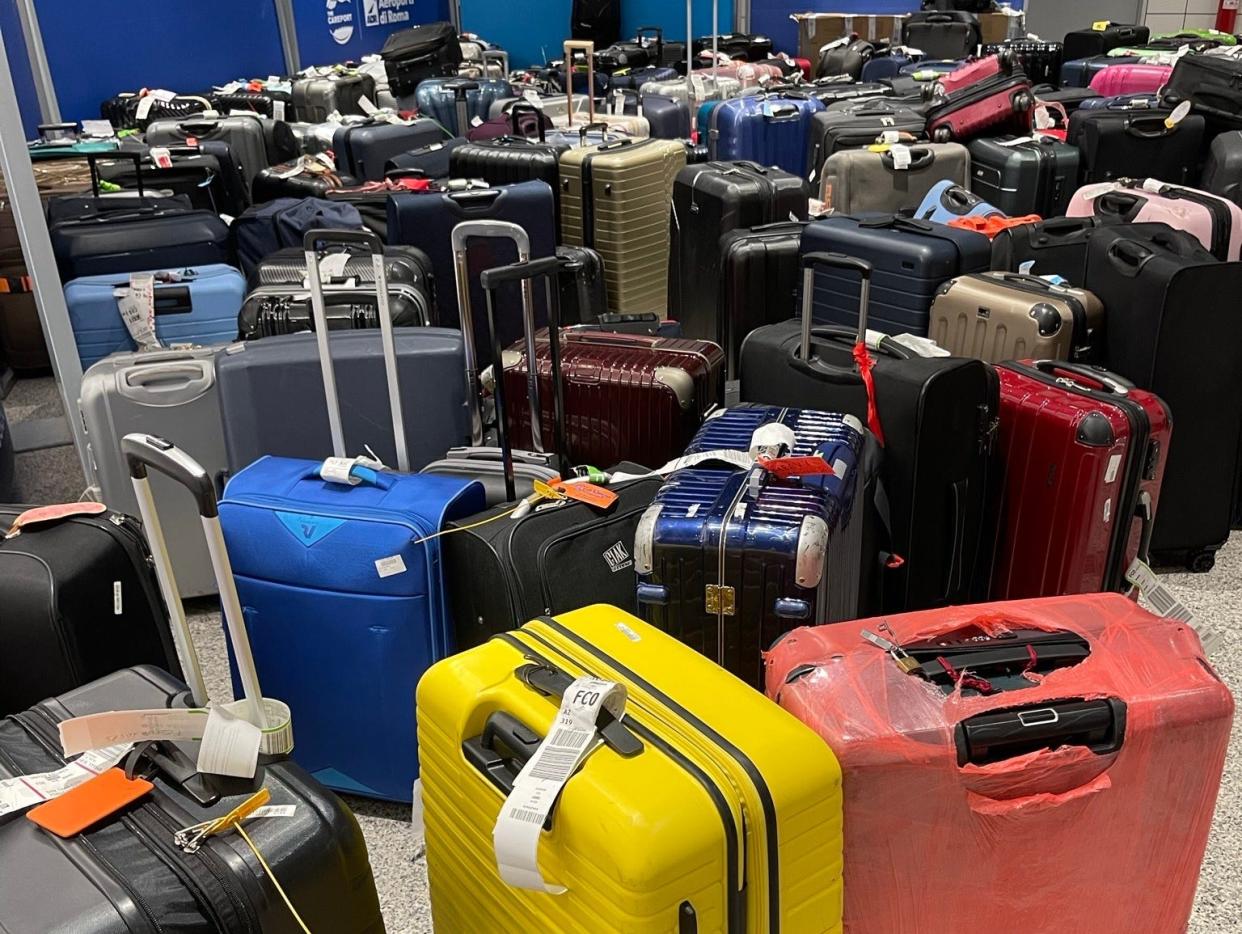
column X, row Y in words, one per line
column 973, row 72
column 1215, row 221
column 1130, row 79
column 998, row 104
column 1065, row 785
column 750, row 74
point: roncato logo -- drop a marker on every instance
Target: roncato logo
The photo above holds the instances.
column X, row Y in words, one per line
column 618, row 558
column 340, row 20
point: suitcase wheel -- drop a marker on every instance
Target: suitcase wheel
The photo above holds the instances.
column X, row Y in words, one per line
column 942, row 134
column 1202, row 562
column 1022, row 102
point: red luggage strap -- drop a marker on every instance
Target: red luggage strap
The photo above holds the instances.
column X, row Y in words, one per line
column 866, row 363
column 965, row 679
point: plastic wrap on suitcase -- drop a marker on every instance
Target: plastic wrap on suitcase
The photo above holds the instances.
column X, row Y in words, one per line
column 363, row 150
column 196, row 305
column 1136, row 144
column 1122, row 705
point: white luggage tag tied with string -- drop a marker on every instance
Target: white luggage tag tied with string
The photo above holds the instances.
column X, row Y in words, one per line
column 570, row 739
column 341, row 469
column 1165, row 604
column 901, row 156
column 136, row 303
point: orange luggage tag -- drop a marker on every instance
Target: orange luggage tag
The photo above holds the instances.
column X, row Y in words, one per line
column 785, row 467
column 588, row 493
column 89, row 803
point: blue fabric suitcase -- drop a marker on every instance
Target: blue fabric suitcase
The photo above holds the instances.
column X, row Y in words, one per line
column 196, row 305
column 910, row 260
column 768, row 129
column 341, row 586
column 947, row 201
column 728, row 559
column 448, row 100
column 363, row 150
column 1078, row 72
column 885, row 66
column 426, row 219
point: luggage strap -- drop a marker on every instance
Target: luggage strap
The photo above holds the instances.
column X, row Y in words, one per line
column 15, row 285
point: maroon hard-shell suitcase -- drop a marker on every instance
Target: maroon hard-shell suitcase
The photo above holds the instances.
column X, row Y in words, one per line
column 628, row 397
column 991, row 107
column 1083, row 453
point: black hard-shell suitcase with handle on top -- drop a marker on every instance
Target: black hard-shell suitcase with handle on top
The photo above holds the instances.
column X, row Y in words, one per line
column 128, row 871
column 761, row 277
column 1082, row 43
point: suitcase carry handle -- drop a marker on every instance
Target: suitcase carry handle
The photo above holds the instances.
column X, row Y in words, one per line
column 1139, row 126
column 658, row 33
column 319, row 314
column 813, row 261
column 497, row 55
column 1121, row 204
column 144, row 453
column 526, row 272
column 588, row 48
column 460, row 238
column 1105, row 381
column 993, row 737
column 920, row 158
column 520, row 108
column 552, row 682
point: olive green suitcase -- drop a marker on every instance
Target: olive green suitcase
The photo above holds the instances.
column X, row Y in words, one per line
column 615, row 199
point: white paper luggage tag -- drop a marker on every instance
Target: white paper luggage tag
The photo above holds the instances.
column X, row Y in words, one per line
column 570, row 739
column 1165, row 604
column 137, row 307
column 1091, row 192
column 901, row 156
column 25, row 790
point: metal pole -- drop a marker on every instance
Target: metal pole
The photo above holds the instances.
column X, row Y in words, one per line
column 287, row 23
column 741, row 15
column 49, row 108
column 40, row 261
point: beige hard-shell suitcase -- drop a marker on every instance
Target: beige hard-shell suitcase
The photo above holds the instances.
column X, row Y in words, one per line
column 996, row 316
column 869, row 179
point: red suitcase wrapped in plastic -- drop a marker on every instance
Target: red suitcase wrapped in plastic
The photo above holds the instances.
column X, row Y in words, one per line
column 1050, row 767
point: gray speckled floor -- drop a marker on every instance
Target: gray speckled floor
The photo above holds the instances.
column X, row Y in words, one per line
column 50, row 476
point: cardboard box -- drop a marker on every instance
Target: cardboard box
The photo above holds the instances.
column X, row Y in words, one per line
column 816, row 30
column 994, row 27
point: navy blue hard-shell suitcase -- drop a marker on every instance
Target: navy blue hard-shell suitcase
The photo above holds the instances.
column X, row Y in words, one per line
column 193, row 305
column 731, row 557
column 426, row 219
column 455, row 103
column 339, row 575
column 363, row 149
column 1078, row 72
column 667, row 117
column 771, row 129
column 910, row 260
column 1145, row 100
column 886, row 66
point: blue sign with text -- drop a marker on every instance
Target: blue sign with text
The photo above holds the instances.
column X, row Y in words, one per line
column 338, row 30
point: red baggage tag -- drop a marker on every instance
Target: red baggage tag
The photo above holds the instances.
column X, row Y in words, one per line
column 41, row 514
column 588, row 493
column 89, row 803
column 807, row 466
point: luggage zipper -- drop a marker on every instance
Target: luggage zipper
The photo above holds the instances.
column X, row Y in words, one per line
column 84, row 841
column 702, row 729
column 160, row 851
column 734, row 835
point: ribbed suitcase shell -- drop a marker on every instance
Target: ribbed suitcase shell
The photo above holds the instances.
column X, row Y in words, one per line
column 864, row 180
column 1131, row 79
column 793, row 552
column 703, row 88
column 1076, row 461
column 911, row 259
column 245, row 134
column 204, row 305
column 895, row 736
column 994, row 105
column 727, row 820
column 615, row 198
column 108, row 877
column 852, row 123
column 628, row 397
column 770, row 130
column 998, row 316
column 760, row 279
column 1215, row 221
column 318, row 97
column 1035, row 177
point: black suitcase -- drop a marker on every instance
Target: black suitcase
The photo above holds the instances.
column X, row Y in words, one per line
column 60, row 580
column 137, row 111
column 939, row 418
column 1173, row 329
column 1136, row 144
column 431, row 161
column 760, row 279
column 301, row 179
column 852, row 124
column 266, row 102
column 597, row 21
column 1212, row 84
column 948, row 35
column 830, row 92
column 1078, row 72
column 1034, row 176
column 911, row 259
column 710, row 200
column 667, row 117
column 278, row 302
column 1222, row 172
column 847, row 59
column 104, row 236
column 583, row 289
column 414, row 55
column 1053, row 247
column 1069, row 98
column 1082, row 43
column 132, row 871
column 624, row 56
column 748, row 47
column 371, row 205
column 211, row 182
column 1040, row 60
column 8, row 464
column 364, row 149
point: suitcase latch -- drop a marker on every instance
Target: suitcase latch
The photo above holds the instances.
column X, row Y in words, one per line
column 720, row 599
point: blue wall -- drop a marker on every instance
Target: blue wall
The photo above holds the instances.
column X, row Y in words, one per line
column 19, row 65
column 331, row 31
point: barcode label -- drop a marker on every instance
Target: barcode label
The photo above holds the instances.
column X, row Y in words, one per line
column 567, row 737
column 526, row 815
column 554, row 763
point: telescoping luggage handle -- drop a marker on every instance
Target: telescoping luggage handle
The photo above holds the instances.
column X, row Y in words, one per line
column 144, row 453
column 311, row 243
column 526, row 272
column 587, row 47
column 92, row 162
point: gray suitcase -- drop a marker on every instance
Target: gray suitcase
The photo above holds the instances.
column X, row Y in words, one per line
column 272, row 397
column 170, row 393
column 245, row 133
column 316, row 97
column 864, row 180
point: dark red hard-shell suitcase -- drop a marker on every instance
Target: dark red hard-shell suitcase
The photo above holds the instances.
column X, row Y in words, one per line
column 628, row 397
column 995, row 105
column 1083, row 453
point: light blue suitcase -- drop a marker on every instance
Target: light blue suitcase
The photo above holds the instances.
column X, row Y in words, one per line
column 196, row 305
column 947, row 200
column 341, row 586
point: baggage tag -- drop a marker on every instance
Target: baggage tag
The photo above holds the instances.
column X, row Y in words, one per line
column 161, row 157
column 835, row 43
column 41, row 514
column 25, row 790
column 162, row 95
column 365, row 105
column 278, row 110
column 144, row 107
column 1180, row 112
column 1165, row 604
column 99, row 129
column 1101, row 25
column 570, row 739
column 901, row 156
column 89, row 803
column 586, row 492
column 137, row 307
column 231, row 88
column 1091, row 192
column 1043, row 118
column 785, row 467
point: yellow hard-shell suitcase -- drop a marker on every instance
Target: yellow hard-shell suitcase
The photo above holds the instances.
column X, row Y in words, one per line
column 723, row 813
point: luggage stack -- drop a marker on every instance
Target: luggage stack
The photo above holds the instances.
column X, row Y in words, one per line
column 678, row 468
